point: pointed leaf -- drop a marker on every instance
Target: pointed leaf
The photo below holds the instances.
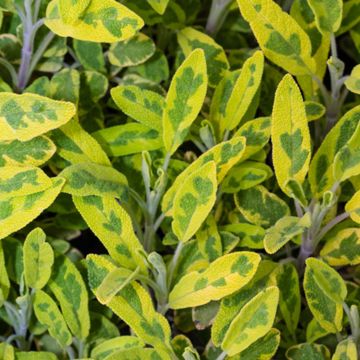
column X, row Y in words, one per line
column 131, row 52
column 347, row 160
column 253, row 321
column 95, row 20
column 50, row 316
column 112, row 225
column 224, row 276
column 23, row 117
column 132, row 304
column 69, row 288
column 86, row 179
column 130, row 138
column 232, row 305
column 194, row 201
column 308, row 351
column 77, row 146
column 262, row 349
column 17, row 212
column 142, row 105
column 321, row 175
column 260, row 207
column 342, row 248
column 34, row 152
column 290, row 298
column 38, row 259
column 184, row 100
column 346, row 350
column 22, row 181
column 225, row 155
column 290, row 134
column 284, row 230
column 244, row 91
column 106, row 348
column 191, row 39
column 328, row 14
column 325, row 292
column 280, row 37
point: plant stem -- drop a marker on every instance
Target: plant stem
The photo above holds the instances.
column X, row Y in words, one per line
column 330, row 225
column 222, row 356
column 174, row 261
column 11, row 70
column 217, row 16
column 152, row 206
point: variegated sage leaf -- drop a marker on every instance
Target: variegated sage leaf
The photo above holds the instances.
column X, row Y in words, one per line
column 98, row 21
column 314, row 110
column 217, row 63
column 290, row 135
column 280, row 37
column 68, row 287
column 321, row 170
column 254, row 320
column 262, row 349
column 18, row 211
column 223, row 277
column 23, row 117
column 114, row 281
column 184, row 100
column 353, row 82
column 230, row 306
column 159, row 5
column 137, row 353
column 209, row 239
column 243, row 92
column 22, row 181
column 350, row 16
column 127, row 139
column 34, row 152
column 49, row 315
column 257, row 134
column 225, row 155
column 86, row 179
column 38, row 355
column 132, row 304
column 112, row 225
column 347, row 160
column 251, row 236
column 194, row 201
column 90, row 55
column 108, row 347
column 342, row 248
column 325, row 292
column 38, row 259
column 131, row 52
column 77, row 146
column 284, row 230
column 346, row 350
column 328, row 14
column 290, row 298
column 353, row 207
column 142, row 105
column 220, row 99
column 245, row 175
column 261, row 207
column 314, row 331
column 308, row 351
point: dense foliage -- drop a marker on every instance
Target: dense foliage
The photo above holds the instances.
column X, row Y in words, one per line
column 179, row 179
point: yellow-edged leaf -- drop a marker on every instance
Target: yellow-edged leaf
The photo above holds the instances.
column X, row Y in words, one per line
column 194, row 201
column 184, row 100
column 290, row 135
column 223, row 277
column 23, row 117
